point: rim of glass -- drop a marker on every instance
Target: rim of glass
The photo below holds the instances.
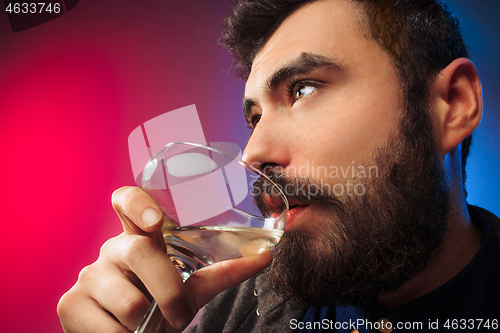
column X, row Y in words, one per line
column 245, row 164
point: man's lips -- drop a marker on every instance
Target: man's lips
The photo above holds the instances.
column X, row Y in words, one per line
column 294, row 213
column 294, row 210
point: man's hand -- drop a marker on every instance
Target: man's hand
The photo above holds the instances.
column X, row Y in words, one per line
column 113, row 293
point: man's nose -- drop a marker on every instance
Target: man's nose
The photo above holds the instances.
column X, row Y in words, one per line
column 268, row 146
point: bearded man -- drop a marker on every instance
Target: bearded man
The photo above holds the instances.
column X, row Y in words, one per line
column 344, row 83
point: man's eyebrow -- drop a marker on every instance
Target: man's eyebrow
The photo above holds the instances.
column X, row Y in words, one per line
column 306, row 62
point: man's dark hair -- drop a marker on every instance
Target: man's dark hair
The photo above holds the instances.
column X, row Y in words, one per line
column 421, row 37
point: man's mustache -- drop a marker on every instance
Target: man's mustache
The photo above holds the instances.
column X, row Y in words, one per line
column 297, row 191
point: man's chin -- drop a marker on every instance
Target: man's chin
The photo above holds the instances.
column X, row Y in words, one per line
column 350, row 256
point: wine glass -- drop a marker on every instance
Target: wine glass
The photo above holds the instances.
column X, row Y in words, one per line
column 216, row 206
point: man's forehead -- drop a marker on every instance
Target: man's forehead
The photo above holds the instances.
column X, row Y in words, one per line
column 323, row 27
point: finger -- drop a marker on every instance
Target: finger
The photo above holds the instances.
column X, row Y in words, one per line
column 82, row 314
column 210, row 281
column 114, row 292
column 138, row 212
column 141, row 255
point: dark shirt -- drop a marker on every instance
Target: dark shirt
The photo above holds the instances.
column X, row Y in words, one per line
column 469, row 302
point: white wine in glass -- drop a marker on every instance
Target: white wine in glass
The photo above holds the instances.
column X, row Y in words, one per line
column 217, row 207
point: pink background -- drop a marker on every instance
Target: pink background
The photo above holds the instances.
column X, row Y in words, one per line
column 73, row 89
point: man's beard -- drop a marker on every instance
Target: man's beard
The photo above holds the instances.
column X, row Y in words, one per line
column 370, row 244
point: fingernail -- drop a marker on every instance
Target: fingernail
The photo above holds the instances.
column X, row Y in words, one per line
column 182, row 320
column 150, row 217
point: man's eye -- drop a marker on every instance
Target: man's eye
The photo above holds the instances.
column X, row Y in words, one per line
column 253, row 121
column 303, row 90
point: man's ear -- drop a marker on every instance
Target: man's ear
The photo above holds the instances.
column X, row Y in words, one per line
column 457, row 104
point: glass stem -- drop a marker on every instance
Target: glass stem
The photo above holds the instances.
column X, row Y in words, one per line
column 153, row 320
